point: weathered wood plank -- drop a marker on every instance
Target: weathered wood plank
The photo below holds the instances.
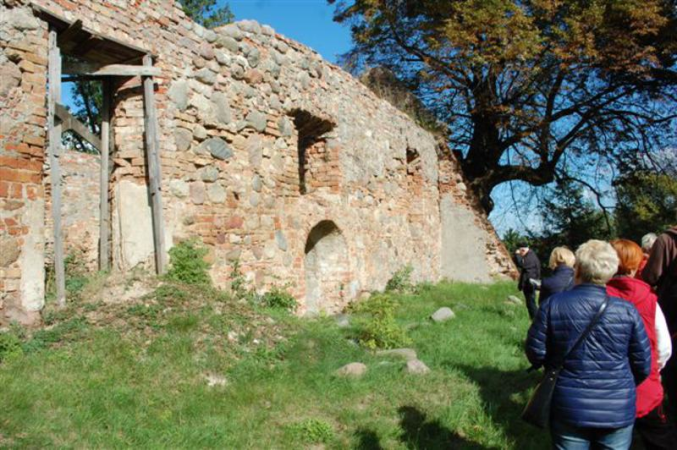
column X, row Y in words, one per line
column 121, row 70
column 70, row 123
column 62, row 21
column 54, row 130
column 69, row 33
column 154, row 172
column 104, row 213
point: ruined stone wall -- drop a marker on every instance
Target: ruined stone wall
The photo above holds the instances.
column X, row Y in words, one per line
column 23, row 65
column 281, row 161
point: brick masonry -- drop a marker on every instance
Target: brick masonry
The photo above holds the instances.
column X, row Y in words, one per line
column 368, row 192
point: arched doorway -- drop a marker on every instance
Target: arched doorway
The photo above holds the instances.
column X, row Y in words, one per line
column 327, row 268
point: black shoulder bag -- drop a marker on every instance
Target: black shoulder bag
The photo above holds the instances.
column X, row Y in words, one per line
column 537, row 411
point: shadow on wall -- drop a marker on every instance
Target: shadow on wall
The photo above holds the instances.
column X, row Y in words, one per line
column 327, row 270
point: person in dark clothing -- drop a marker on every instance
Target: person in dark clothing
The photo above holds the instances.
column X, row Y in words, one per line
column 661, row 273
column 530, row 269
column 562, row 262
column 594, row 398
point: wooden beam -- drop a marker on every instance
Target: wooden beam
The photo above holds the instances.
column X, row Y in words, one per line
column 69, row 33
column 70, row 123
column 116, row 70
column 54, row 130
column 62, row 22
column 154, row 172
column 104, row 213
column 83, row 47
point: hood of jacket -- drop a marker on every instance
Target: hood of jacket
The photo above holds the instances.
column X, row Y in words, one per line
column 630, row 289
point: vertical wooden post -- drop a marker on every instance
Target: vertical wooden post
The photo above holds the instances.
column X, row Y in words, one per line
column 154, row 173
column 104, row 214
column 54, row 131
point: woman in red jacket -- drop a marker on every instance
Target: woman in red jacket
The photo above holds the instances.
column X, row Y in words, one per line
column 656, row 430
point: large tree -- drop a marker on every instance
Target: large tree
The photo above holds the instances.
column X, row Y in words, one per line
column 526, row 88
column 207, row 12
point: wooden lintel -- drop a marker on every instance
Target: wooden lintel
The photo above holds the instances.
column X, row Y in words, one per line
column 82, row 48
column 69, row 33
column 70, row 123
column 120, row 70
column 62, row 21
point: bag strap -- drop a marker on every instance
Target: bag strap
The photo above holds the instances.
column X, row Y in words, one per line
column 586, row 332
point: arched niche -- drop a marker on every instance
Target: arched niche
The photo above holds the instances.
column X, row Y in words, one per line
column 327, row 270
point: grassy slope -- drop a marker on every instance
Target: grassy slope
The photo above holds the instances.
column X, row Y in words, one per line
column 140, row 382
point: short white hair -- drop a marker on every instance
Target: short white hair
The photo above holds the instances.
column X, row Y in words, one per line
column 648, row 241
column 596, row 262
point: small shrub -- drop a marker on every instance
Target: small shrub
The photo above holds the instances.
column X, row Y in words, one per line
column 187, row 264
column 378, row 327
column 382, row 331
column 401, row 280
column 375, row 304
column 238, row 283
column 312, row 431
column 10, row 346
column 279, row 298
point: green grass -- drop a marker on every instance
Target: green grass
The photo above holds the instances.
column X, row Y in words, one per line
column 136, row 376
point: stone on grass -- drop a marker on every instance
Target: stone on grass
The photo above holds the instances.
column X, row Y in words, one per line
column 408, row 354
column 442, row 315
column 214, row 380
column 342, row 320
column 516, row 300
column 417, row 367
column 352, row 370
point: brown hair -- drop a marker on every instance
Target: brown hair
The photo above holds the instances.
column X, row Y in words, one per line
column 629, row 254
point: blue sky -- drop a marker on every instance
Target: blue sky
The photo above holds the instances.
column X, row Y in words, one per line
column 307, row 21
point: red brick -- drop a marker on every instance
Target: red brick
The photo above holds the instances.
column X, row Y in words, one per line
column 19, row 176
column 20, row 163
column 15, row 191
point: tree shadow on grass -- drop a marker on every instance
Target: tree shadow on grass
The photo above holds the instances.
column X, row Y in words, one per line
column 418, row 432
column 497, row 388
column 367, row 440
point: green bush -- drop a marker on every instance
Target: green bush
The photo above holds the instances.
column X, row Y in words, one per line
column 187, row 264
column 401, row 280
column 375, row 304
column 10, row 346
column 279, row 298
column 382, row 331
column 312, row 431
column 377, row 328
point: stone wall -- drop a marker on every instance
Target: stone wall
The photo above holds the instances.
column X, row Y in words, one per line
column 279, row 160
column 23, row 64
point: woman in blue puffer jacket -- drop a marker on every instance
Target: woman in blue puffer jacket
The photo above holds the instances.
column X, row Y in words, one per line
column 594, row 399
column 561, row 262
